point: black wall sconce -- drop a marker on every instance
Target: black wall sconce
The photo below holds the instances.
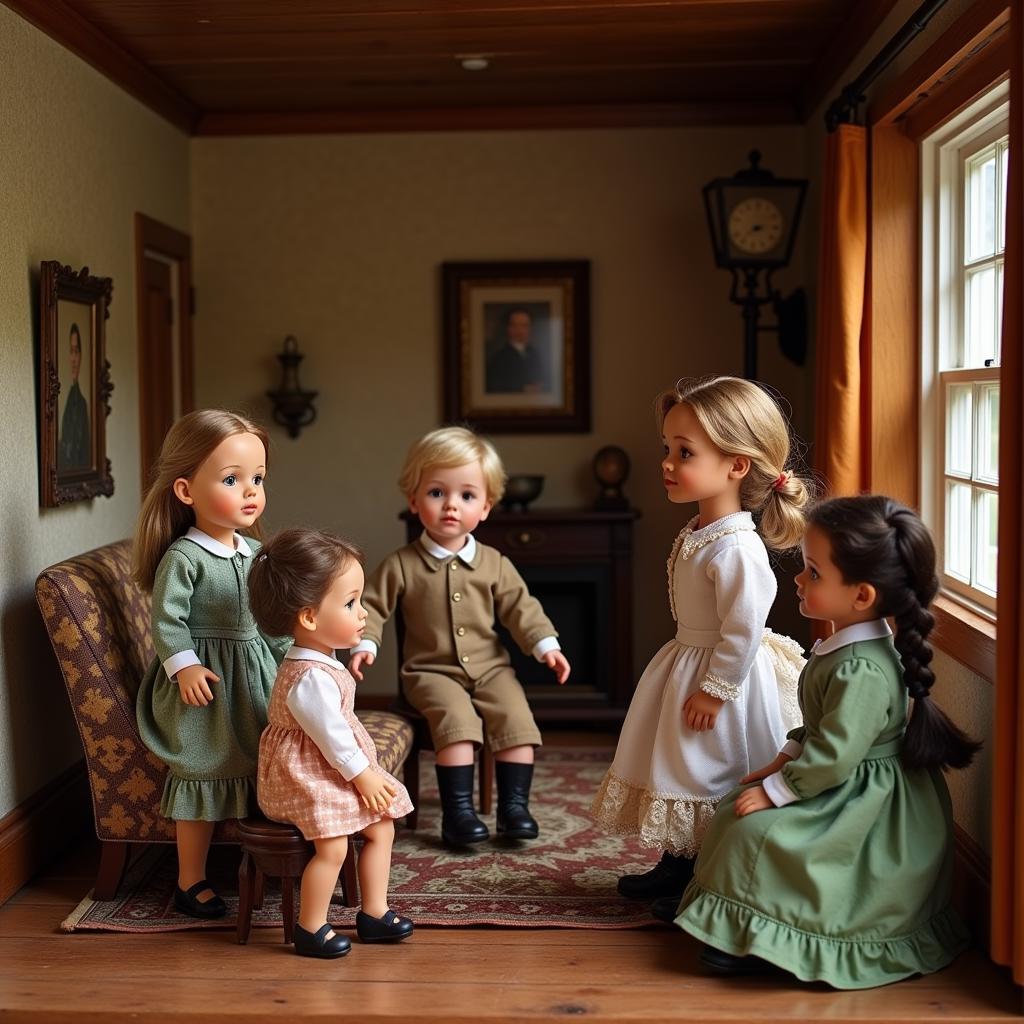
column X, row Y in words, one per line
column 293, row 407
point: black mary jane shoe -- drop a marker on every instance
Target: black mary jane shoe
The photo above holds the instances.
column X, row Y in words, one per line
column 669, row 877
column 666, row 909
column 728, row 963
column 186, row 901
column 389, row 928
column 316, row 944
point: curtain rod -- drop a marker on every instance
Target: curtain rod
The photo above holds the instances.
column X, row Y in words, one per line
column 843, row 109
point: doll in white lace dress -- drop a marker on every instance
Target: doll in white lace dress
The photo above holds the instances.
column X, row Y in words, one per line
column 717, row 700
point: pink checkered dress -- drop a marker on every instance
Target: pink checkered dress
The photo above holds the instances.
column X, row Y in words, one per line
column 297, row 784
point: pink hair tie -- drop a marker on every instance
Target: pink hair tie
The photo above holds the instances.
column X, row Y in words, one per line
column 781, row 480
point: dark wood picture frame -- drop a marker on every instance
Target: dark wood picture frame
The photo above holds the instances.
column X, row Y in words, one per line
column 517, row 345
column 73, row 463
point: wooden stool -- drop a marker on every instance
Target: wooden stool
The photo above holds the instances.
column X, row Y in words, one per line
column 270, row 848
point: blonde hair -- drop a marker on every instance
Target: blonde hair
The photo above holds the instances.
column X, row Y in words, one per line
column 163, row 519
column 446, row 448
column 741, row 418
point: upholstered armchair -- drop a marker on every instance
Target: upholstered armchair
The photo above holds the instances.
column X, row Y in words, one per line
column 98, row 620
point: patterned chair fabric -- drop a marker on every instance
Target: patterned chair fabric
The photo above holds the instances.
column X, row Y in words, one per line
column 98, row 620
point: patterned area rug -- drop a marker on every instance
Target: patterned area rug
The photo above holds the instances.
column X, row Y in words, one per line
column 564, row 879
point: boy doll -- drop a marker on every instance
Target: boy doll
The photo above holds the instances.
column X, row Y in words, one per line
column 455, row 670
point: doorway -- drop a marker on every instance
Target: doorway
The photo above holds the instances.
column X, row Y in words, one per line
column 163, row 275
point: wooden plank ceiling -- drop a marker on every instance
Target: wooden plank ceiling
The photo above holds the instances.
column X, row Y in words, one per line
column 225, row 66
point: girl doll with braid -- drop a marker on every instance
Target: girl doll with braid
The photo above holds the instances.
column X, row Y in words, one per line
column 834, row 861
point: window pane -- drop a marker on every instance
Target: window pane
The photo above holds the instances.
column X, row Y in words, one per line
column 987, row 548
column 980, row 175
column 987, row 440
column 958, row 530
column 959, row 428
column 981, row 316
column 999, row 312
column 1004, row 150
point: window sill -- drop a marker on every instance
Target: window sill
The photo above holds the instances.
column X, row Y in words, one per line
column 965, row 636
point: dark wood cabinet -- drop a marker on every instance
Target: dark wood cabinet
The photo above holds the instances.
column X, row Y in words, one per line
column 579, row 564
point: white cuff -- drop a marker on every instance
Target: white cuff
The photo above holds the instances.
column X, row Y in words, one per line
column 778, row 792
column 176, row 662
column 716, row 686
column 545, row 646
column 792, row 749
column 355, row 765
column 364, row 647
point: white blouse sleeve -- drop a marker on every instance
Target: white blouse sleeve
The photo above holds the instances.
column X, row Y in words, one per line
column 745, row 588
column 315, row 704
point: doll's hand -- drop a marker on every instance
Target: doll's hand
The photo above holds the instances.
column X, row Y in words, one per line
column 556, row 661
column 193, row 682
column 358, row 659
column 701, row 710
column 376, row 791
column 768, row 769
column 750, row 800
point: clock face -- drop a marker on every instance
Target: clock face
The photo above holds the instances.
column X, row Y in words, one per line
column 755, row 225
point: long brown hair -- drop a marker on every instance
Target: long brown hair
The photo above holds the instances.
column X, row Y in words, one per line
column 741, row 418
column 163, row 519
column 876, row 540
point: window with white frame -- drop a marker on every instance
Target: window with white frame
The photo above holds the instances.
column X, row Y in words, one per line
column 964, row 168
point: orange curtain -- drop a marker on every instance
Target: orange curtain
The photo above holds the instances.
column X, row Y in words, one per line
column 839, row 430
column 1008, row 773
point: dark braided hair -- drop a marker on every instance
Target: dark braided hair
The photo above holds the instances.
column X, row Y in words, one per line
column 876, row 540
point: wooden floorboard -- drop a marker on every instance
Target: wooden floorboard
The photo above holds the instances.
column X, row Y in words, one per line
column 442, row 975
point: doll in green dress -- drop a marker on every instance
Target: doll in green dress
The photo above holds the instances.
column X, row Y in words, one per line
column 203, row 703
column 834, row 862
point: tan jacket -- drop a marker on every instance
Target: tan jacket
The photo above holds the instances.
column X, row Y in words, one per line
column 449, row 609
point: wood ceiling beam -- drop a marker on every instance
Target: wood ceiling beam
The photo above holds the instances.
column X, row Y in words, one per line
column 455, row 119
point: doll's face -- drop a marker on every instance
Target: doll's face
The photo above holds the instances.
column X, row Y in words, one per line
column 823, row 592
column 451, row 502
column 339, row 621
column 226, row 492
column 693, row 468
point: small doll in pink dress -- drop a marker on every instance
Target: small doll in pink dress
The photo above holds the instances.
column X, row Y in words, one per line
column 317, row 764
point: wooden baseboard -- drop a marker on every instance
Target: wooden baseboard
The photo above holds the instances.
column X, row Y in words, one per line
column 41, row 827
column 972, row 886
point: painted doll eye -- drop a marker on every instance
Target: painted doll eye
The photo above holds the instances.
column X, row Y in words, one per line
column 229, row 480
column 258, row 479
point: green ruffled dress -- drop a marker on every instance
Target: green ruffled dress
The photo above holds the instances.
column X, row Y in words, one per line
column 849, row 883
column 201, row 604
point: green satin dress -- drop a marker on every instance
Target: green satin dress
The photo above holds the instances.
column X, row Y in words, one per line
column 850, row 883
column 201, row 603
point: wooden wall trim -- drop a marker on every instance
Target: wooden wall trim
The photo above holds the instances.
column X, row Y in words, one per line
column 963, row 40
column 40, row 828
column 64, row 24
column 471, row 119
column 965, row 637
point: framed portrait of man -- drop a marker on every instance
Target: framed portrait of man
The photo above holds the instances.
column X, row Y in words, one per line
column 74, row 383
column 517, row 345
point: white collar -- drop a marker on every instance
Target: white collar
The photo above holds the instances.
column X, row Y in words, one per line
column 467, row 553
column 296, row 653
column 873, row 629
column 204, row 540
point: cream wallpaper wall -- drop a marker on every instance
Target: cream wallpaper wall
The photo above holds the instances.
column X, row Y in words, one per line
column 339, row 240
column 78, row 158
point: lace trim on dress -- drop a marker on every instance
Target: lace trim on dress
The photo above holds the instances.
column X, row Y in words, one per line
column 675, row 824
column 716, row 686
column 788, row 660
column 689, row 540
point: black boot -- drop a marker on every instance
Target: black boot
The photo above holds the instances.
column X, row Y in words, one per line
column 459, row 824
column 669, row 877
column 514, row 818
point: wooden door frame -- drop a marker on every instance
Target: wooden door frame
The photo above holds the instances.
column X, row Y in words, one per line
column 153, row 236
